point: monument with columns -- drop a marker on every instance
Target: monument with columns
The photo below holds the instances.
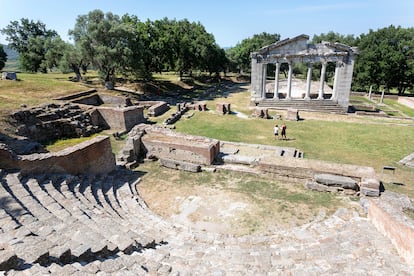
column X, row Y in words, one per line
column 296, row 50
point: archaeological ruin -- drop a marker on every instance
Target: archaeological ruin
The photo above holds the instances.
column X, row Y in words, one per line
column 269, row 93
column 79, row 210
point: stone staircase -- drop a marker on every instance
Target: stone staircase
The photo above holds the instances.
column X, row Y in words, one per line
column 327, row 106
column 65, row 224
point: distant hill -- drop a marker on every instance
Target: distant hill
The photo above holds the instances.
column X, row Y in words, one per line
column 12, row 63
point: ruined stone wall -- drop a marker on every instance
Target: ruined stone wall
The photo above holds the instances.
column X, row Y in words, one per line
column 166, row 144
column 122, row 118
column 306, row 168
column 158, row 109
column 386, row 213
column 93, row 156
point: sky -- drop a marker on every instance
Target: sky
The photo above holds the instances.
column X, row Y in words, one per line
column 229, row 21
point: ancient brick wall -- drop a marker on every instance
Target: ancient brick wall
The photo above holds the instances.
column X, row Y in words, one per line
column 166, row 144
column 304, row 168
column 389, row 219
column 93, row 156
column 121, row 119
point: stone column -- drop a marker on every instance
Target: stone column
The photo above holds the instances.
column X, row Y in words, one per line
column 289, row 84
column 336, row 81
column 264, row 80
column 308, row 81
column 322, row 83
column 276, row 90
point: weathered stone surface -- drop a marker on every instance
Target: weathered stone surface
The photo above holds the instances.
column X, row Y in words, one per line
column 93, row 156
column 119, row 118
column 180, row 165
column 51, row 122
column 164, row 143
column 312, row 185
column 223, row 108
column 158, row 109
column 8, row 76
column 369, row 192
column 387, row 214
column 336, row 180
column 8, row 260
column 261, row 113
column 292, row 115
column 370, row 183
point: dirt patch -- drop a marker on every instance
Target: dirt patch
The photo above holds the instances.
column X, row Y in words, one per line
column 231, row 202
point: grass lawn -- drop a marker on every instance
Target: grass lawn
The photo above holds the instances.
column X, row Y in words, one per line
column 350, row 139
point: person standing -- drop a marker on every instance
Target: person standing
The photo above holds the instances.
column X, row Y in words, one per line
column 283, row 134
column 276, row 131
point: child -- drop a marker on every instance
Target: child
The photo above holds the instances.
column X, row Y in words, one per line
column 276, row 131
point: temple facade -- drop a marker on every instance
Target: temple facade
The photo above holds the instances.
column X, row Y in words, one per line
column 296, row 50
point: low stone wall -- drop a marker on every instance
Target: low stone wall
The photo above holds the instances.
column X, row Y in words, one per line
column 93, row 156
column 158, row 109
column 386, row 213
column 119, row 119
column 167, row 144
column 308, row 168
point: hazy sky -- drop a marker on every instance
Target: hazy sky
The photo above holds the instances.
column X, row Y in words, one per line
column 229, row 21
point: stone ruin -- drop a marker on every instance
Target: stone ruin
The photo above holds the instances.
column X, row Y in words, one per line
column 223, row 108
column 53, row 121
column 261, row 113
column 9, row 76
column 298, row 50
column 76, row 212
column 182, row 108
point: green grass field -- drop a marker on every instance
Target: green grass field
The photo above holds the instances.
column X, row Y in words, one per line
column 350, row 139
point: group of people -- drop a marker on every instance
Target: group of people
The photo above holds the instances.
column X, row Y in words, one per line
column 282, row 131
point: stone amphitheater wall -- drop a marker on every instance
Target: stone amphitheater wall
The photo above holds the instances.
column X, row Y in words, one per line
column 90, row 157
column 386, row 213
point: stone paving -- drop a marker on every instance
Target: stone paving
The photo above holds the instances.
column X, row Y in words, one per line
column 84, row 225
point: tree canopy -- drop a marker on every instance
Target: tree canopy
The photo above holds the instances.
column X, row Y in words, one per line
column 29, row 39
column 386, row 59
column 239, row 55
column 3, row 57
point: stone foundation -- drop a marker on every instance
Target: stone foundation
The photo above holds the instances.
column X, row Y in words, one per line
column 120, row 118
column 166, row 144
column 90, row 157
column 223, row 108
column 307, row 169
column 386, row 213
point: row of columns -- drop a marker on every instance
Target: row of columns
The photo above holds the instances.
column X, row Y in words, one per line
column 308, row 80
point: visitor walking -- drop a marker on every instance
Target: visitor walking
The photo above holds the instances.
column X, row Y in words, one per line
column 283, row 134
column 276, row 131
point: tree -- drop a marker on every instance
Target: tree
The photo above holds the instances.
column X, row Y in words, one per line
column 29, row 39
column 386, row 59
column 106, row 42
column 333, row 37
column 239, row 55
column 3, row 57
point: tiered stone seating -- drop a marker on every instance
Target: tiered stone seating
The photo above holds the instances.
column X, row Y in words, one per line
column 79, row 225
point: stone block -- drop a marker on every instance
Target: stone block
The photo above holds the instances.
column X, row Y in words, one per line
column 261, row 113
column 180, row 165
column 312, row 185
column 336, row 180
column 158, row 109
column 223, row 108
column 292, row 115
column 370, row 183
column 370, row 192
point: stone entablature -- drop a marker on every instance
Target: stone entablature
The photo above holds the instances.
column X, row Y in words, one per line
column 298, row 50
column 93, row 156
